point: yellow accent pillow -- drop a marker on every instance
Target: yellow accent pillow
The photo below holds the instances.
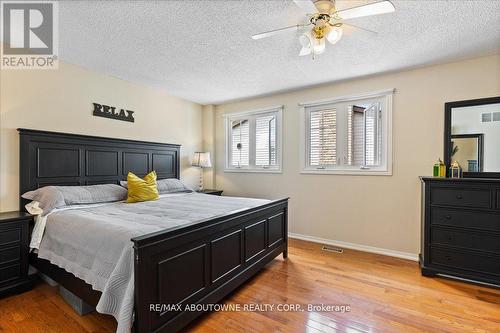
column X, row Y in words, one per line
column 142, row 189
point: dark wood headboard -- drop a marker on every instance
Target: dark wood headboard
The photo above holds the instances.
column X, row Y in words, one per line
column 50, row 158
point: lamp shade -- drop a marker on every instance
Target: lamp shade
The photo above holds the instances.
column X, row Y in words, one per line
column 202, row 160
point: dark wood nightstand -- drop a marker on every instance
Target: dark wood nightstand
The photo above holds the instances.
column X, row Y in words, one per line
column 14, row 250
column 213, row 192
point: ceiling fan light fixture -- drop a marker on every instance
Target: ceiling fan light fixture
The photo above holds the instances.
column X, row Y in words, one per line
column 334, row 35
column 305, row 40
column 319, row 45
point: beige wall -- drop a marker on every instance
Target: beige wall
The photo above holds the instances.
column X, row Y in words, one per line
column 61, row 100
column 376, row 211
column 209, row 144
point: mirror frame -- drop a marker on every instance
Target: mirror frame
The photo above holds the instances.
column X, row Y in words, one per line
column 479, row 138
column 447, row 133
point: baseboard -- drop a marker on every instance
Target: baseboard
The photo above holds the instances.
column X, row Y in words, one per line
column 353, row 246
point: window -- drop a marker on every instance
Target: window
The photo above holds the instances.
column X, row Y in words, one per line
column 253, row 141
column 348, row 135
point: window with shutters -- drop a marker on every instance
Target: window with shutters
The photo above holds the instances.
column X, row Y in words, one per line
column 253, row 141
column 348, row 135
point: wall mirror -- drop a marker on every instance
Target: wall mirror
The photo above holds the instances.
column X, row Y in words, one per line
column 472, row 136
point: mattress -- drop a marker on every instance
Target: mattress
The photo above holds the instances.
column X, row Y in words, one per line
column 94, row 241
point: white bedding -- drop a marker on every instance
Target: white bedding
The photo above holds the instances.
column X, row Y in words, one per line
column 93, row 241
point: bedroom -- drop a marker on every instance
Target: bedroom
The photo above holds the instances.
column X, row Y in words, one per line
column 321, row 204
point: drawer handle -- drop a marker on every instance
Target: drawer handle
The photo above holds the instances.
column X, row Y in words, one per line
column 447, row 258
column 448, row 217
column 459, row 196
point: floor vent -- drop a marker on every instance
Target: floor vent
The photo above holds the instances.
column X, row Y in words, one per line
column 329, row 248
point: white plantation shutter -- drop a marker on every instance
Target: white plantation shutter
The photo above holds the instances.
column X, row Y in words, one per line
column 364, row 136
column 253, row 141
column 348, row 135
column 323, row 137
column 240, row 134
column 370, row 136
column 355, row 135
column 265, row 141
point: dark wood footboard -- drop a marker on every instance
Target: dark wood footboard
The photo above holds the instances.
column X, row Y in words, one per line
column 202, row 263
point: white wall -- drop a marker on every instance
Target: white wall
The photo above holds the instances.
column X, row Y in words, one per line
column 467, row 120
column 61, row 100
column 376, row 211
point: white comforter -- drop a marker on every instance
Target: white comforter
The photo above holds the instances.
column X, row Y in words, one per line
column 93, row 241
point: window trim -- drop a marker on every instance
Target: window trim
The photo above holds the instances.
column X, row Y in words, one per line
column 279, row 138
column 386, row 170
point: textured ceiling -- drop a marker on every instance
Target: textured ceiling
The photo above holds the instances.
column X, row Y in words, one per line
column 202, row 50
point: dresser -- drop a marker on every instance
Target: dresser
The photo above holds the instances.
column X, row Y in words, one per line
column 14, row 248
column 461, row 228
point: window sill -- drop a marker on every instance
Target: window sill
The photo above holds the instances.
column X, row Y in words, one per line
column 347, row 172
column 254, row 170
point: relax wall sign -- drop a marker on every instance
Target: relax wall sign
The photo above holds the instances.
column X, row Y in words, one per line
column 101, row 110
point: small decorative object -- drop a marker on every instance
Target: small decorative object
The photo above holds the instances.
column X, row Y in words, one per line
column 101, row 110
column 454, row 150
column 201, row 160
column 472, row 166
column 455, row 170
column 439, row 169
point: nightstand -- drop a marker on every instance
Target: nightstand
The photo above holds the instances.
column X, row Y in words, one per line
column 14, row 250
column 213, row 192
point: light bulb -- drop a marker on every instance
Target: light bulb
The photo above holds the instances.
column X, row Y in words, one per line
column 334, row 35
column 306, row 42
column 319, row 45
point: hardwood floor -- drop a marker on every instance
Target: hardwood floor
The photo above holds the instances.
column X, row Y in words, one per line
column 385, row 295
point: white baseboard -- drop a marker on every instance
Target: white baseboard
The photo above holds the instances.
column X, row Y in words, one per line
column 353, row 246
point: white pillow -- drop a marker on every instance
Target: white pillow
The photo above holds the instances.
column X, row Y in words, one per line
column 51, row 197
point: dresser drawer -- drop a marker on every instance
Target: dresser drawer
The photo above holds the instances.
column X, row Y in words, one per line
column 465, row 218
column 466, row 261
column 498, row 198
column 10, row 273
column 10, row 236
column 9, row 254
column 461, row 197
column 466, row 239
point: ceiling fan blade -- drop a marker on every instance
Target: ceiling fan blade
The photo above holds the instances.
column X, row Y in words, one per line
column 307, row 6
column 360, row 28
column 376, row 8
column 278, row 31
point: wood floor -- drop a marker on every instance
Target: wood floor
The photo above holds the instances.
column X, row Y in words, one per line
column 385, row 295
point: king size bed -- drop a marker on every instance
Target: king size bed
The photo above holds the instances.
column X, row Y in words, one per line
column 152, row 258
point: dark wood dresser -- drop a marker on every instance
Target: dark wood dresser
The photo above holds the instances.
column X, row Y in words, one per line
column 14, row 248
column 461, row 228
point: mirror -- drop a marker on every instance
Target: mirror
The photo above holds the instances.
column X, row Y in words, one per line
column 472, row 136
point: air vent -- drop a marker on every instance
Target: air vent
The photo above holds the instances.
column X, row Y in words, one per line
column 329, row 248
column 485, row 117
column 496, row 116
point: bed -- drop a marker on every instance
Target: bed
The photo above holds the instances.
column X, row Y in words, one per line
column 221, row 251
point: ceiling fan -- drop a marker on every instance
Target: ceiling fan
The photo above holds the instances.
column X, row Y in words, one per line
column 326, row 22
